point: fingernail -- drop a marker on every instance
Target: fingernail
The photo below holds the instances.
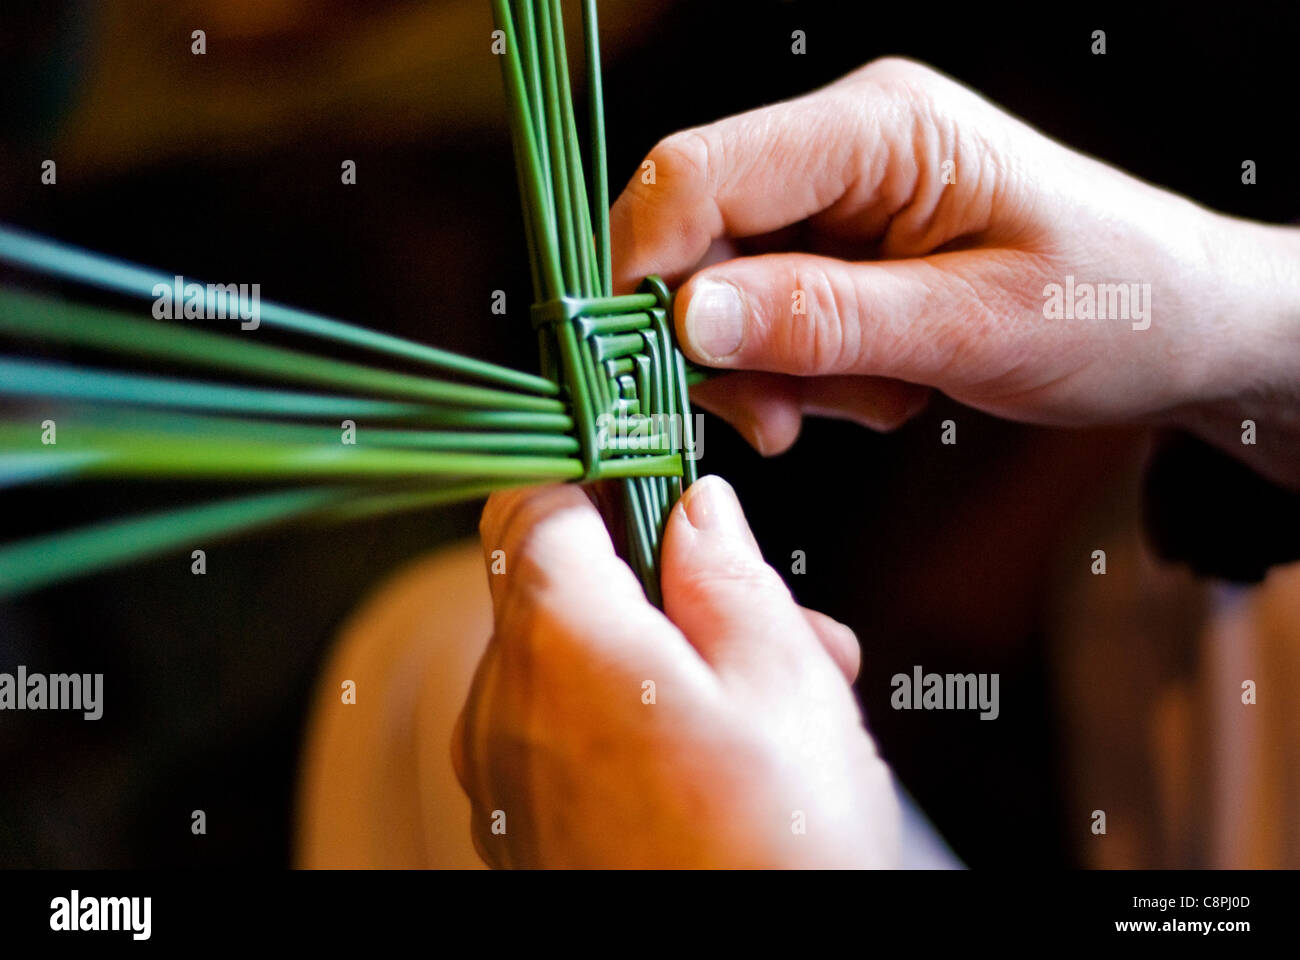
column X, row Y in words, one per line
column 715, row 319
column 711, row 504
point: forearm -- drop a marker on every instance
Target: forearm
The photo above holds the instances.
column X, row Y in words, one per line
column 1249, row 391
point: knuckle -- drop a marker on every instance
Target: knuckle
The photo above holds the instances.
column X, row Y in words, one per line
column 717, row 583
column 526, row 621
column 676, row 204
column 909, row 93
column 533, row 523
column 683, row 157
column 896, row 69
column 540, row 636
column 827, row 340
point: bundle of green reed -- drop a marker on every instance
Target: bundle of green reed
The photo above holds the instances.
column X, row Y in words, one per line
column 318, row 438
column 614, row 355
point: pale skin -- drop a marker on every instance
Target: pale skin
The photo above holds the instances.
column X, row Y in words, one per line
column 912, row 281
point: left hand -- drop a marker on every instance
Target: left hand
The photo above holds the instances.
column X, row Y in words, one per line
column 752, row 751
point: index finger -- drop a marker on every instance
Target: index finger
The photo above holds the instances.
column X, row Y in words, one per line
column 861, row 157
column 765, row 169
column 554, row 576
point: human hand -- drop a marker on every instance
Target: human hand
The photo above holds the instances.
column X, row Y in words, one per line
column 751, row 754
column 911, row 282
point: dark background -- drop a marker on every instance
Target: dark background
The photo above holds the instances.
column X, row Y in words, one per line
column 936, row 555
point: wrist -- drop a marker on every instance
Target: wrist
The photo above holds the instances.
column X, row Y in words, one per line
column 1244, row 390
column 1257, row 315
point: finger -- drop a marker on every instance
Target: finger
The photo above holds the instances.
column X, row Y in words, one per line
column 766, row 408
column 546, row 538
column 906, row 319
column 705, row 180
column 839, row 640
column 557, row 568
column 732, row 606
column 877, row 403
column 881, row 139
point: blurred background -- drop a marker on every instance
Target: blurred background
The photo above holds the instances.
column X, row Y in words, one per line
column 1117, row 692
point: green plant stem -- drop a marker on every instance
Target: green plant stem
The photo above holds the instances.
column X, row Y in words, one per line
column 40, row 561
column 44, row 319
column 54, row 259
column 50, row 381
column 125, row 452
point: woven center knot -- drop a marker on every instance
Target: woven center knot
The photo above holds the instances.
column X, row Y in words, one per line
column 625, row 380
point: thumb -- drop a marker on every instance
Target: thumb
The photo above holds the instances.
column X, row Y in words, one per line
column 812, row 316
column 733, row 607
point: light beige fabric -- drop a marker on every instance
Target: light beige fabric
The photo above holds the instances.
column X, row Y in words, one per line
column 377, row 787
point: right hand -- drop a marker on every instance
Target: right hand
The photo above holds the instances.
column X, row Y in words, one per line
column 912, row 282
